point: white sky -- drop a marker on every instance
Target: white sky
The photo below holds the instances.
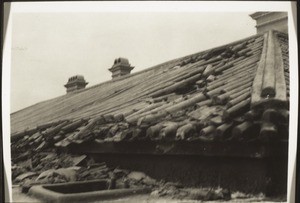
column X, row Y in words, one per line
column 48, row 48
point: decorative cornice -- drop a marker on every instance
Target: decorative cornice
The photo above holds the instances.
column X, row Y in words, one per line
column 271, row 21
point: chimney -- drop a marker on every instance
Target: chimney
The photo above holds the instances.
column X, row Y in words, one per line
column 74, row 83
column 270, row 21
column 120, row 67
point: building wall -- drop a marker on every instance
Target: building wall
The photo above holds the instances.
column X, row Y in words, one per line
column 246, row 167
column 249, row 175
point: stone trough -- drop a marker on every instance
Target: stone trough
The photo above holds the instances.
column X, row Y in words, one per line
column 83, row 191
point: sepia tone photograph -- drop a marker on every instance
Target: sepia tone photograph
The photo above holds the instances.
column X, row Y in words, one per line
column 127, row 105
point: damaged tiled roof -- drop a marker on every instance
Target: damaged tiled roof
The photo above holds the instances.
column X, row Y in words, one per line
column 239, row 91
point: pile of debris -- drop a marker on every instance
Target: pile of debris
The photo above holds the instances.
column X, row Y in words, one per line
column 50, row 168
column 176, row 191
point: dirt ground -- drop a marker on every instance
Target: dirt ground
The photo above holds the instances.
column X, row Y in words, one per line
column 145, row 198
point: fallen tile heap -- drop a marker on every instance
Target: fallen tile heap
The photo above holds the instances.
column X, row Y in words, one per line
column 50, row 168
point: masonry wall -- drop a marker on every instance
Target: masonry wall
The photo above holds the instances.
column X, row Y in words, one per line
column 237, row 174
column 250, row 168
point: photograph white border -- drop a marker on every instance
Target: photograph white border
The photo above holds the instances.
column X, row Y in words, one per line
column 155, row 6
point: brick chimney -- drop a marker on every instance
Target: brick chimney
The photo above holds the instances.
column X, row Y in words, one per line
column 120, row 67
column 270, row 21
column 74, row 83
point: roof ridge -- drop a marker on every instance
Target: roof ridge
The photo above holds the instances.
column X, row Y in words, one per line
column 269, row 84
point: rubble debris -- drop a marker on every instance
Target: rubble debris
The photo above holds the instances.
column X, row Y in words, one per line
column 118, row 177
column 17, row 170
column 204, row 194
column 77, row 160
column 137, row 176
column 251, row 198
column 95, row 171
column 49, row 168
column 24, row 176
column 217, row 194
column 60, row 175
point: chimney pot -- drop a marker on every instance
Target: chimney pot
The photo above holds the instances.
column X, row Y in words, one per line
column 120, row 67
column 74, row 83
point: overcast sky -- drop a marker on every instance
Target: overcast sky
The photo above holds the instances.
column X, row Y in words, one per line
column 48, row 48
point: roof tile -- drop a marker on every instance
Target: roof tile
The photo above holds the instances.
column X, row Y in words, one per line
column 205, row 96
